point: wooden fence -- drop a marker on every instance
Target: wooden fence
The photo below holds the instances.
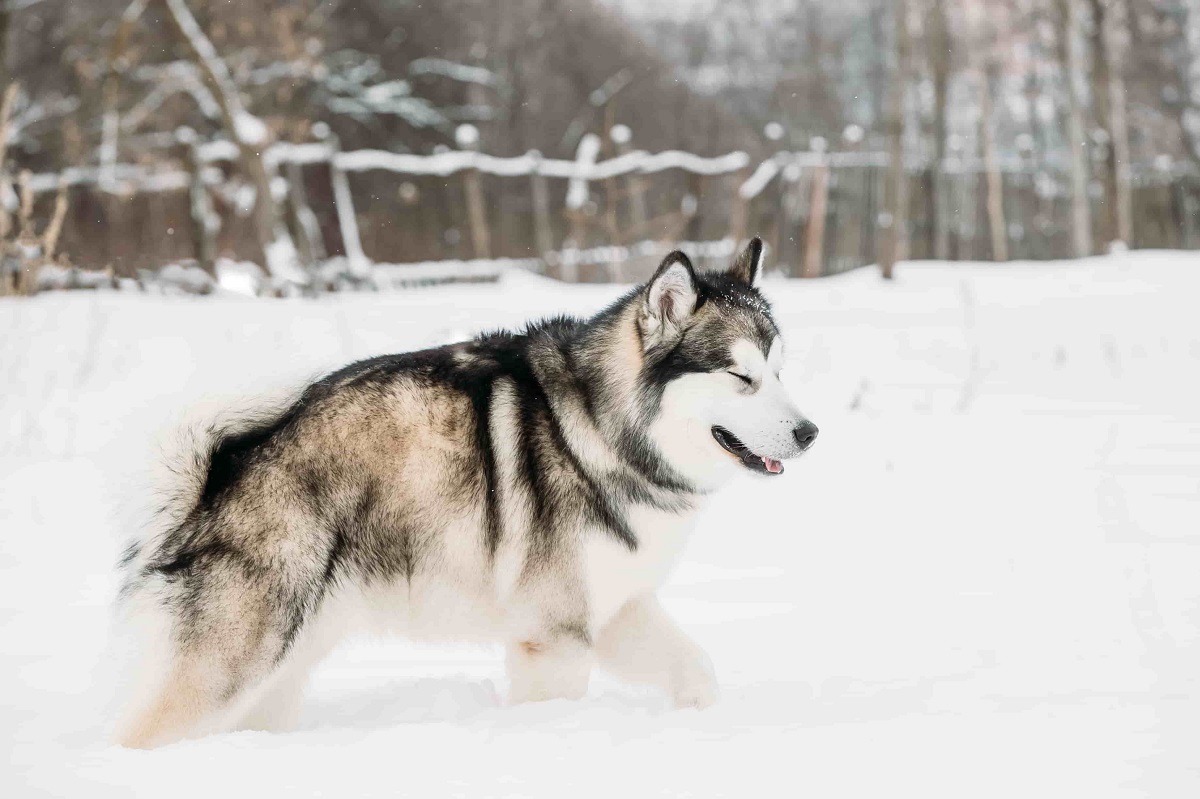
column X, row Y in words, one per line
column 585, row 219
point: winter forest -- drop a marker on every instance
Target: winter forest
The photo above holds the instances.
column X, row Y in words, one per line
column 322, row 144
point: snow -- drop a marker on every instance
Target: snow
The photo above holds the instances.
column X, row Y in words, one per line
column 466, row 136
column 250, row 129
column 283, row 262
column 585, row 168
column 239, row 277
column 758, row 180
column 453, row 70
column 585, row 159
column 449, row 162
column 608, row 254
column 421, row 273
column 120, row 179
column 168, row 80
column 393, row 97
column 981, row 582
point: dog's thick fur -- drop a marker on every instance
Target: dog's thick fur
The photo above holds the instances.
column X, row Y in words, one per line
column 531, row 489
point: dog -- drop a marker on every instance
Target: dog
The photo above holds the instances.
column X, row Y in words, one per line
column 531, row 489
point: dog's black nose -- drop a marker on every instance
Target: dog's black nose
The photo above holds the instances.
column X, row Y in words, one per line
column 806, row 434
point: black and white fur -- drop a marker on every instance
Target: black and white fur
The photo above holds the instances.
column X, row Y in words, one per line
column 531, row 489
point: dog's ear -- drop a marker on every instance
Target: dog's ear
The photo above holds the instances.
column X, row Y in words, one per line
column 747, row 267
column 669, row 299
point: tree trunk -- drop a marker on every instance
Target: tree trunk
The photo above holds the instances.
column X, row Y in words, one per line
column 1189, row 78
column 1069, row 61
column 5, row 20
column 1110, row 110
column 251, row 137
column 896, row 246
column 995, row 181
column 1108, row 94
column 939, row 55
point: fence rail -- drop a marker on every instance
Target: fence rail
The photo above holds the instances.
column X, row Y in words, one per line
column 820, row 212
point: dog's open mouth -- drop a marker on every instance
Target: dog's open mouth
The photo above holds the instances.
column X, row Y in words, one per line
column 758, row 463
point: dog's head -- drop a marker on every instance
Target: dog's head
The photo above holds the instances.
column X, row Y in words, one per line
column 712, row 360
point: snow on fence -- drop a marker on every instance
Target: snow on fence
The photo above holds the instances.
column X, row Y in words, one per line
column 131, row 178
column 820, row 211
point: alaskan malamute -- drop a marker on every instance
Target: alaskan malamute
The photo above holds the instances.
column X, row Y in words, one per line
column 531, row 489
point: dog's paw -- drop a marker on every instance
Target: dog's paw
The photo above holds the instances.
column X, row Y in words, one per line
column 695, row 683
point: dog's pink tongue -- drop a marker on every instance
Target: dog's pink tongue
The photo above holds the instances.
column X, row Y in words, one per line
column 773, row 466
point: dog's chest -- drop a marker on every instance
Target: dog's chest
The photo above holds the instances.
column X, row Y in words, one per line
column 615, row 574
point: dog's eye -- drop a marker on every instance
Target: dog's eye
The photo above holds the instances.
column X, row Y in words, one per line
column 743, row 378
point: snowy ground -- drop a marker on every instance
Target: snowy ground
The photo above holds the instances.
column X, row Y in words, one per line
column 984, row 581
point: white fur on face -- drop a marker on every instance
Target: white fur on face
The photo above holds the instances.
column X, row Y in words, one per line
column 761, row 415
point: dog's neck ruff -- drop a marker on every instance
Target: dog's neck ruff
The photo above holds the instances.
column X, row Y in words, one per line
column 604, row 409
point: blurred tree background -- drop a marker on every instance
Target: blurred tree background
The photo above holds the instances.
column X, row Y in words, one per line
column 1073, row 123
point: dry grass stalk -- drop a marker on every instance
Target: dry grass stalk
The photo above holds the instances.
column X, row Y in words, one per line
column 26, row 214
column 6, row 107
column 54, row 229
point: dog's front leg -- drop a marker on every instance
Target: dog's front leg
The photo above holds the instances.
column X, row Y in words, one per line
column 643, row 644
column 553, row 665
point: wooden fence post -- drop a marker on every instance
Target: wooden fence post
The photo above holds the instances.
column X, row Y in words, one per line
column 795, row 215
column 635, row 185
column 204, row 225
column 343, row 202
column 467, row 137
column 1189, row 208
column 615, row 260
column 814, row 240
column 579, row 201
column 695, row 192
column 542, row 232
column 308, row 229
column 739, row 210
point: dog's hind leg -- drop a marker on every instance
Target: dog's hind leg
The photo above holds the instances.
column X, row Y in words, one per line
column 182, row 705
column 229, row 627
column 276, row 706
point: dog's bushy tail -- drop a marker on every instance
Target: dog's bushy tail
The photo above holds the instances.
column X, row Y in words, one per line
column 174, row 483
column 140, row 647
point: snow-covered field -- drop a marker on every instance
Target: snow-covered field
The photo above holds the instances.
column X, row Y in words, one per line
column 984, row 581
